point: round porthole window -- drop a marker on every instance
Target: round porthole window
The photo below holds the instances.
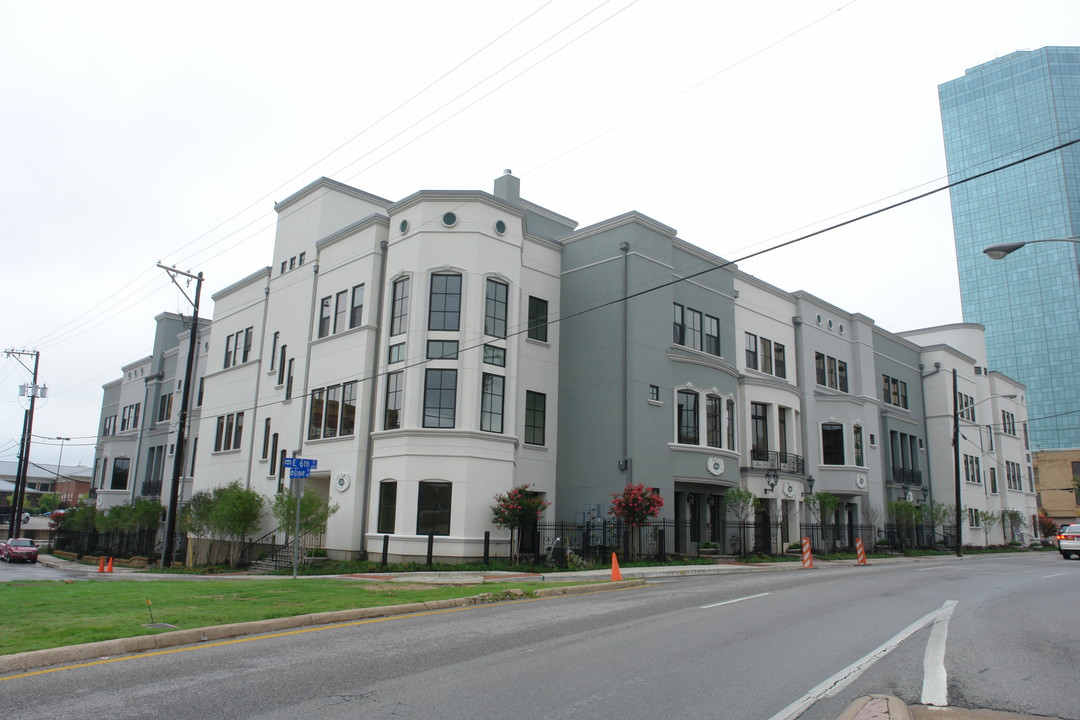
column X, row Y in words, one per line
column 841, row 329
column 500, row 227
column 830, row 324
column 449, row 219
column 404, row 226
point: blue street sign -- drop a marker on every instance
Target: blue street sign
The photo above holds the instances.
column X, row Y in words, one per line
column 300, row 467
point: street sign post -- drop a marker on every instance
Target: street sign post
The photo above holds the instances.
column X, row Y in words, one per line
column 299, row 468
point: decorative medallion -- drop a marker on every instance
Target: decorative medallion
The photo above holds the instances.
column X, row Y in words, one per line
column 715, row 465
column 789, row 489
column 860, row 481
column 909, row 497
column 342, row 481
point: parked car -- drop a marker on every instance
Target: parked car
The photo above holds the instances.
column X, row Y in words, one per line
column 19, row 549
column 1069, row 541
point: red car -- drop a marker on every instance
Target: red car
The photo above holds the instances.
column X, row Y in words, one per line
column 19, row 549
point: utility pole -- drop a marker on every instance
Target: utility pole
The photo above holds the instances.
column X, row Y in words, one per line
column 33, row 392
column 185, row 398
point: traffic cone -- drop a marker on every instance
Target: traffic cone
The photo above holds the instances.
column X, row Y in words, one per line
column 109, row 568
column 616, row 574
column 101, row 565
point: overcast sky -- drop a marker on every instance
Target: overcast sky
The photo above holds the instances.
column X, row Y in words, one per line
column 138, row 132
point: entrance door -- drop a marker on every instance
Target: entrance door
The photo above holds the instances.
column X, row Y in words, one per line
column 763, row 530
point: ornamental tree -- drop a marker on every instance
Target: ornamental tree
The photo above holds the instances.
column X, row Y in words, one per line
column 635, row 505
column 515, row 510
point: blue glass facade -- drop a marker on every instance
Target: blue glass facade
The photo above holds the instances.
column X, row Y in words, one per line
column 997, row 113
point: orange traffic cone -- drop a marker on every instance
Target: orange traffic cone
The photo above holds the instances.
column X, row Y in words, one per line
column 109, row 568
column 616, row 574
column 101, row 565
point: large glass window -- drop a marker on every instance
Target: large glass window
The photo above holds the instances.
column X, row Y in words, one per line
column 759, row 428
column 693, row 329
column 444, row 312
column 230, row 430
column 491, row 404
column 712, row 335
column 535, row 417
column 324, row 316
column 832, row 444
column 713, row 432
column 495, row 308
column 394, row 389
column 494, row 355
column 678, row 330
column 440, row 398
column 341, row 310
column 857, row 436
column 433, row 508
column 538, row 318
column 399, row 307
column 687, row 408
column 120, row 469
column 751, row 351
column 387, row 507
column 356, row 309
column 442, row 349
column 731, row 424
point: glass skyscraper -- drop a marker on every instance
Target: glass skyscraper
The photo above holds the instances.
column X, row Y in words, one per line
column 997, row 113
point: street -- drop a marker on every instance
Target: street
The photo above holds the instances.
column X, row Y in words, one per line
column 986, row 631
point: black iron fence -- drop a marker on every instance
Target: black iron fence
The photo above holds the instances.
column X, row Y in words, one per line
column 597, row 539
column 137, row 543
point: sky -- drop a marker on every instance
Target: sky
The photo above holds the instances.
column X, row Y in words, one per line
column 135, row 133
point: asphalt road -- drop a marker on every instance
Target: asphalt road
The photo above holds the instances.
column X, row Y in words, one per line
column 981, row 632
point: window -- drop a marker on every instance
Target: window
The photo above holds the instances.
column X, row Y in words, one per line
column 857, row 435
column 433, row 508
column 273, row 454
column 781, row 429
column 759, row 429
column 238, row 347
column 198, row 400
column 266, row 439
column 394, row 388
column 283, row 267
column 120, row 469
column 444, row 312
column 712, row 335
column 973, row 518
column 1008, row 423
column 341, row 310
column 440, row 398
column 155, row 460
column 990, row 437
column 538, row 319
column 751, row 351
column 300, row 260
column 494, row 355
column 289, row 380
column 687, row 417
column 779, row 361
column 399, row 308
column 110, row 426
column 273, row 349
column 333, row 411
column 1013, row 480
column 678, row 334
column 535, row 417
column 713, row 429
column 654, row 393
column 731, row 424
column 965, row 406
column 129, row 417
column 894, row 392
column 832, row 444
column 396, row 353
column 831, row 372
column 442, row 349
column 766, row 356
column 324, row 317
column 693, row 329
column 387, row 507
column 281, row 365
column 229, row 431
column 165, row 407
column 972, row 472
column 356, row 310
column 495, row 309
column 491, row 404
column 993, row 480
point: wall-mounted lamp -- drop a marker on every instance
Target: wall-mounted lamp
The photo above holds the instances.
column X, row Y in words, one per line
column 810, row 482
column 771, row 477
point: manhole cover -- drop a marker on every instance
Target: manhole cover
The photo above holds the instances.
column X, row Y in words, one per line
column 160, row 626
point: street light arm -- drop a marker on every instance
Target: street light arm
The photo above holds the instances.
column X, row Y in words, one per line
column 999, row 251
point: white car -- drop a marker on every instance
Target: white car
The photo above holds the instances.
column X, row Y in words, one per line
column 1069, row 541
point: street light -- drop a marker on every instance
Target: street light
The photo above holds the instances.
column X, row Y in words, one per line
column 999, row 251
column 59, row 459
column 956, row 456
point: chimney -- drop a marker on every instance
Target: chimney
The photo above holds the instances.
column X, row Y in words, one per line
column 508, row 189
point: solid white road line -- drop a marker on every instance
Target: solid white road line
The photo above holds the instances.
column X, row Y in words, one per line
column 935, row 679
column 1044, row 577
column 845, row 677
column 728, row 602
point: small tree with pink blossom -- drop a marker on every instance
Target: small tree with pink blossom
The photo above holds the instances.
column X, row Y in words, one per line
column 516, row 510
column 635, row 506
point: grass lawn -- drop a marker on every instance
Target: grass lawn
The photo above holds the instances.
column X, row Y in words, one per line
column 41, row 615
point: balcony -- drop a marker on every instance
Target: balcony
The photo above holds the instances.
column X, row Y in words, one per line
column 907, row 476
column 772, row 460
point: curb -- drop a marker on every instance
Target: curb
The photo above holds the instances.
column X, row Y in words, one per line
column 174, row 638
column 876, row 707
